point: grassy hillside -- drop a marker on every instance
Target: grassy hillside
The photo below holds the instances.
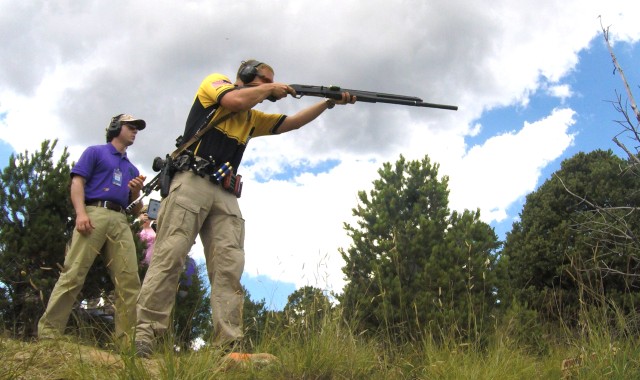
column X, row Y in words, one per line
column 332, row 351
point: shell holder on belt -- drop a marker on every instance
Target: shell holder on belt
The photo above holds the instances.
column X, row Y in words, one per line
column 221, row 174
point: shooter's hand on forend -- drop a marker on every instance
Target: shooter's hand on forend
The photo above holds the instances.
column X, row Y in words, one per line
column 347, row 98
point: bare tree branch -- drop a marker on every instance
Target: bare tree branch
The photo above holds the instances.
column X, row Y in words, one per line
column 617, row 67
column 607, row 211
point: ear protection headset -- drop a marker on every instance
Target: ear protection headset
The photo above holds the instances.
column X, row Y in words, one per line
column 114, row 128
column 249, row 70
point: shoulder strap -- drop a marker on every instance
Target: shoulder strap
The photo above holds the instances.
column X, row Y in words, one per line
column 203, row 129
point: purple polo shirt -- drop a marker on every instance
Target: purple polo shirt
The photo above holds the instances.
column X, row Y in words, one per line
column 107, row 174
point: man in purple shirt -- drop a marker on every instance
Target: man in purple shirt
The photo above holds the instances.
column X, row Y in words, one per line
column 103, row 182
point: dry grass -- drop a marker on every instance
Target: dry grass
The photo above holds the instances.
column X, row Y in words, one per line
column 331, row 351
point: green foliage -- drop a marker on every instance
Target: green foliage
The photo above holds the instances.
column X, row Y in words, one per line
column 307, row 305
column 412, row 263
column 524, row 329
column 254, row 317
column 575, row 240
column 35, row 225
column 192, row 311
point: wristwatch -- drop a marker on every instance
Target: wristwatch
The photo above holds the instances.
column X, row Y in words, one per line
column 330, row 103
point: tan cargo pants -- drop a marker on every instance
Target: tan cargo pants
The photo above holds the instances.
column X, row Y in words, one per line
column 112, row 232
column 195, row 206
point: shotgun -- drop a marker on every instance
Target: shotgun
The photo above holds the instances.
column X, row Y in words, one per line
column 335, row 92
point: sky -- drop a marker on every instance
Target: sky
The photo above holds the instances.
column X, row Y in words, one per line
column 533, row 81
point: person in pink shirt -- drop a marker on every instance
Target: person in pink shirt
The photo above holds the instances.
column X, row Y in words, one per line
column 147, row 235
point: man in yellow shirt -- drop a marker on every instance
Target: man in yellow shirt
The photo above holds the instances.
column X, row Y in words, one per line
column 198, row 203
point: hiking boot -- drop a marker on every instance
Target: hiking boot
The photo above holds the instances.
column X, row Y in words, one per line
column 143, row 349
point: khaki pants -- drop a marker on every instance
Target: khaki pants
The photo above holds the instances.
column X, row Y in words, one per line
column 112, row 232
column 195, row 205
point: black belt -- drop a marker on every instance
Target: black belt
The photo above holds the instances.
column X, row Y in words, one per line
column 106, row 204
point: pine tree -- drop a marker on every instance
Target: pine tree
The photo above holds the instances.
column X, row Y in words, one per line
column 35, row 225
column 412, row 263
column 308, row 305
column 576, row 232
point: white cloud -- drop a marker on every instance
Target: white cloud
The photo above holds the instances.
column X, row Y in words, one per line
column 507, row 167
column 562, row 91
column 297, row 228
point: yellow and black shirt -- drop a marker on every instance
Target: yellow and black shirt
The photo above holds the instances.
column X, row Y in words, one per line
column 228, row 140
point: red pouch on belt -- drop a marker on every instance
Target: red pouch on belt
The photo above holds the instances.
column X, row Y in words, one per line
column 233, row 184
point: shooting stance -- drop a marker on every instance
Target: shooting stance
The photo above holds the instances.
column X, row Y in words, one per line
column 202, row 198
column 103, row 182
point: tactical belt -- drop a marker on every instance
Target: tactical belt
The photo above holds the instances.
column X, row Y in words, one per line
column 218, row 174
column 106, row 204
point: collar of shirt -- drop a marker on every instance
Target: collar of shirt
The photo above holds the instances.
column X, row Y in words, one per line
column 113, row 150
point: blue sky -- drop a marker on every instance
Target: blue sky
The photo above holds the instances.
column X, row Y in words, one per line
column 595, row 85
column 5, row 152
column 532, row 80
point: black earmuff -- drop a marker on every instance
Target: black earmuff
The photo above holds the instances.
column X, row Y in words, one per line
column 113, row 130
column 249, row 70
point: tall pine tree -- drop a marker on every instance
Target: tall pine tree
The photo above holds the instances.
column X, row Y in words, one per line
column 413, row 263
